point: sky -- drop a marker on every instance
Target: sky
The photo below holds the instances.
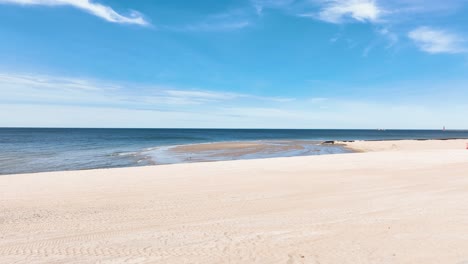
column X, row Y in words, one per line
column 399, row 64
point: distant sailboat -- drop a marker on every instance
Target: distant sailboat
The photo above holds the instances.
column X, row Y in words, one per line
column 443, row 129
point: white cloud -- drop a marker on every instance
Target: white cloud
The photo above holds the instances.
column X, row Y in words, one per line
column 437, row 41
column 337, row 11
column 99, row 10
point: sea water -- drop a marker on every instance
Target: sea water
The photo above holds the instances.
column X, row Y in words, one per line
column 24, row 150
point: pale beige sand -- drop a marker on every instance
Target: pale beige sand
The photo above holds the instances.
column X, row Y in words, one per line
column 407, row 145
column 407, row 205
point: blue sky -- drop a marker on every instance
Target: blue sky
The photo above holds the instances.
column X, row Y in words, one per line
column 242, row 63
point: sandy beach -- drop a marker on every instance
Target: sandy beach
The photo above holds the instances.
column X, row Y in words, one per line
column 393, row 202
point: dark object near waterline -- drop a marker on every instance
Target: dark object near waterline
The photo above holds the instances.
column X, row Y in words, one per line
column 329, row 142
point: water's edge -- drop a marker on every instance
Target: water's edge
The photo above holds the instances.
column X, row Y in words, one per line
column 29, row 150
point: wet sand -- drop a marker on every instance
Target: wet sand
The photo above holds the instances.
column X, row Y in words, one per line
column 238, row 150
column 399, row 202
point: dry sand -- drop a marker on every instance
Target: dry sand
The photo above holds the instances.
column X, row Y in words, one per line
column 404, row 202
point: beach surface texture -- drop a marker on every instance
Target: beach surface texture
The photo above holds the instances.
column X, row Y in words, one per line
column 392, row 202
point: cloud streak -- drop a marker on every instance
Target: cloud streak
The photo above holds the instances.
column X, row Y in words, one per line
column 260, row 5
column 435, row 41
column 228, row 21
column 96, row 9
column 214, row 27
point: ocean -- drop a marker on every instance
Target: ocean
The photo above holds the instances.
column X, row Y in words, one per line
column 25, row 150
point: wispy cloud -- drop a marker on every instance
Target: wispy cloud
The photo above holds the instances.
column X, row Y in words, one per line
column 260, row 5
column 382, row 11
column 335, row 114
column 204, row 95
column 227, row 21
column 401, row 8
column 30, row 100
column 34, row 88
column 391, row 36
column 222, row 26
column 50, row 82
column 434, row 40
column 340, row 11
column 99, row 10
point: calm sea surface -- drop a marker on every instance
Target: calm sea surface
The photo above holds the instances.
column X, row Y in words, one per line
column 36, row 150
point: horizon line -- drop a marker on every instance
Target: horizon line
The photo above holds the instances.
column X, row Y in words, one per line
column 240, row 128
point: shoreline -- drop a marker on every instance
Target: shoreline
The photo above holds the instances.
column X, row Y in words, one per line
column 348, row 146
column 35, row 150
